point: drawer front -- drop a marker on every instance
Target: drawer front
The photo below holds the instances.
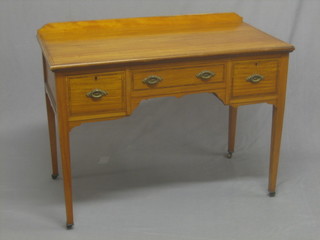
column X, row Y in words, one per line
column 164, row 76
column 254, row 77
column 96, row 93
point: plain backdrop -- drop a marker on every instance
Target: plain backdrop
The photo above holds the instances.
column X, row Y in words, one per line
column 160, row 173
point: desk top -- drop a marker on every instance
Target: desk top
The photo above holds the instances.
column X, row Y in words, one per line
column 102, row 42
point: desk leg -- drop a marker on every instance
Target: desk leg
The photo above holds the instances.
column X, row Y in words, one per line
column 277, row 122
column 66, row 170
column 64, row 137
column 53, row 139
column 232, row 129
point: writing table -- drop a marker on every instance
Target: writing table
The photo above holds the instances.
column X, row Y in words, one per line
column 101, row 70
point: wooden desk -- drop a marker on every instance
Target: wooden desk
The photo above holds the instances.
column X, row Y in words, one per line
column 101, row 70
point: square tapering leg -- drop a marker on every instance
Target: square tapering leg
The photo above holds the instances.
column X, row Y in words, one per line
column 277, row 123
column 232, row 129
column 53, row 138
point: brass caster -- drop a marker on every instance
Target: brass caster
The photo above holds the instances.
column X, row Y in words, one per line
column 272, row 194
column 229, row 154
column 54, row 176
column 69, row 226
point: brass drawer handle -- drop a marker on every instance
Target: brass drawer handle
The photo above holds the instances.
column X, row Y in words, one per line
column 152, row 80
column 255, row 78
column 97, row 93
column 205, row 75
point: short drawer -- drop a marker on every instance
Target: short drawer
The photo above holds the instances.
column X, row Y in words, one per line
column 96, row 93
column 254, row 77
column 176, row 75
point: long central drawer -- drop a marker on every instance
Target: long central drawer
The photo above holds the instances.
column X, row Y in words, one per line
column 178, row 75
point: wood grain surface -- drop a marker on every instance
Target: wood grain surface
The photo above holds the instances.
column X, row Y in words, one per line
column 88, row 43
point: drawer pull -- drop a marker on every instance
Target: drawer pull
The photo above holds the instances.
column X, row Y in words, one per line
column 97, row 93
column 152, row 80
column 205, row 75
column 255, row 78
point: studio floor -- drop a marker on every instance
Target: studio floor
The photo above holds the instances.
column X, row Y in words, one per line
column 192, row 191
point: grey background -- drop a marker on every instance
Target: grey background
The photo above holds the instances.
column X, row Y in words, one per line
column 161, row 173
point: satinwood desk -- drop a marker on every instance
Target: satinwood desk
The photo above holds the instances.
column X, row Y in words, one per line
column 101, row 70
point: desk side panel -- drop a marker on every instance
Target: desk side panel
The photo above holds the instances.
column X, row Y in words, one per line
column 50, row 83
